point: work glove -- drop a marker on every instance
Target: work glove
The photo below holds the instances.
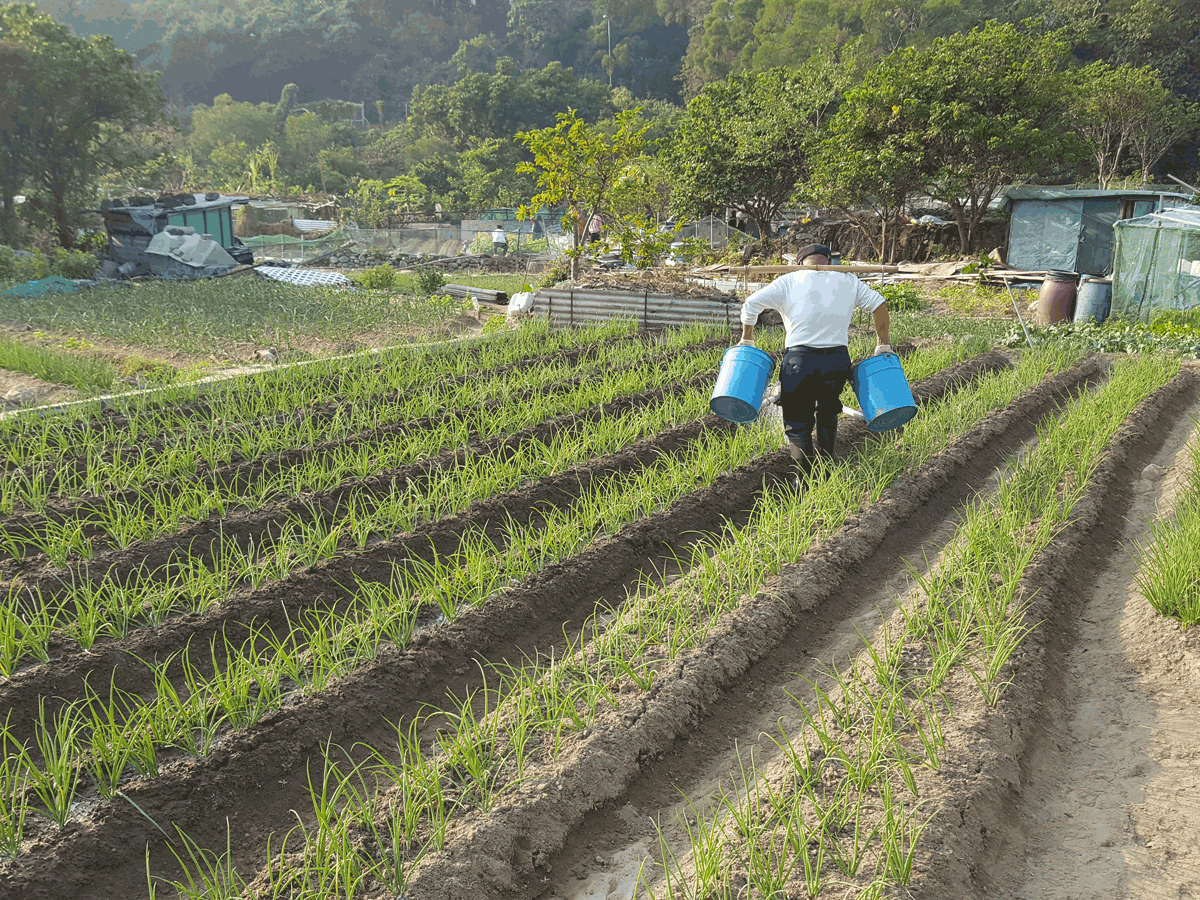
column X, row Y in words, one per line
column 745, row 342
column 880, row 349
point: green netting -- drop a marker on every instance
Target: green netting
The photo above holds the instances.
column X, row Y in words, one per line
column 284, row 246
column 1157, row 264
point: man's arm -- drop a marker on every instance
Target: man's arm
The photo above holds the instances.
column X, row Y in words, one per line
column 883, row 323
column 765, row 297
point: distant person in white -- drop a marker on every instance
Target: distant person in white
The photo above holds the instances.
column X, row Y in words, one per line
column 816, row 307
column 499, row 241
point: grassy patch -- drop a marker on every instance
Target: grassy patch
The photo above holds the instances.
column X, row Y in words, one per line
column 970, row 299
column 204, row 317
column 85, row 373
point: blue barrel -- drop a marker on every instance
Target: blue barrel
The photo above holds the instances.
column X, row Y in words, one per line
column 1094, row 300
column 740, row 384
column 882, row 391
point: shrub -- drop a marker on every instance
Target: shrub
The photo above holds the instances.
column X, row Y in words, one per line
column 556, row 273
column 21, row 265
column 379, row 278
column 30, row 266
column 74, row 263
column 902, row 297
column 429, row 281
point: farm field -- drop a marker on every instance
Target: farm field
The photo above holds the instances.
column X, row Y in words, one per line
column 522, row 619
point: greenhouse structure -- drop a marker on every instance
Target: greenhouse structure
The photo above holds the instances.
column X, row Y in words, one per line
column 1157, row 263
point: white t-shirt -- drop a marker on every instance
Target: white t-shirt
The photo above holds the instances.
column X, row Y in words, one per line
column 816, row 306
column 499, row 236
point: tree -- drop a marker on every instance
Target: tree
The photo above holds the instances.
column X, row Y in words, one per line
column 490, row 176
column 638, row 199
column 84, row 93
column 484, row 107
column 744, row 143
column 973, row 112
column 17, row 120
column 228, row 120
column 1122, row 110
column 305, row 137
column 577, row 164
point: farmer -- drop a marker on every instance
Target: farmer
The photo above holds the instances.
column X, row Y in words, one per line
column 499, row 242
column 595, row 226
column 816, row 307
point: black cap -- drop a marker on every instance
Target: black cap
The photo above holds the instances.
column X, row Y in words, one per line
column 812, row 249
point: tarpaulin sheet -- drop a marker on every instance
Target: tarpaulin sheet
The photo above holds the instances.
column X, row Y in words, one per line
column 1157, row 265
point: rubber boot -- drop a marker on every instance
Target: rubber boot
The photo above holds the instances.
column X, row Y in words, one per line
column 826, row 437
column 803, row 460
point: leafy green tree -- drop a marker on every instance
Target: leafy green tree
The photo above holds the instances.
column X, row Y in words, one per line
column 81, row 95
column 1161, row 34
column 637, row 204
column 227, row 166
column 745, row 142
column 868, row 162
column 577, row 164
column 483, row 107
column 337, row 168
column 723, row 45
column 490, row 175
column 17, row 120
column 544, row 31
column 407, row 194
column 228, row 120
column 1126, row 115
column 973, row 111
column 305, row 136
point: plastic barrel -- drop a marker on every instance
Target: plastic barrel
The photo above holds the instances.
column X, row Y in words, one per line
column 1056, row 299
column 1094, row 301
column 882, row 391
column 740, row 384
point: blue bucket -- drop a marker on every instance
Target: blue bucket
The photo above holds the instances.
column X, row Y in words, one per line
column 882, row 391
column 740, row 384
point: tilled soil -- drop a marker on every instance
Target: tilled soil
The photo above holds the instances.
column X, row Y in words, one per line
column 1012, row 775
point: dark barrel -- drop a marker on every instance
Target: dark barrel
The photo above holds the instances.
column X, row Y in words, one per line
column 1056, row 299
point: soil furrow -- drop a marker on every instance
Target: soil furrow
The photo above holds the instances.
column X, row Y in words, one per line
column 329, row 584
column 156, row 559
column 204, row 409
column 239, row 773
column 240, row 476
column 981, row 788
column 544, row 841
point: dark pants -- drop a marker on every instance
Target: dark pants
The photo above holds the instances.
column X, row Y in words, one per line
column 811, row 380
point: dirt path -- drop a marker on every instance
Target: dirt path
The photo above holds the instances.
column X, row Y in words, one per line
column 1110, row 801
column 618, row 846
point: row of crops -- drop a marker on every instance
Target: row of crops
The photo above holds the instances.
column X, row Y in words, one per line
column 182, row 575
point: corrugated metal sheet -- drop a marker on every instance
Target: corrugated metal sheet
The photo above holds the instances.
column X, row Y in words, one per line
column 651, row 311
column 314, row 225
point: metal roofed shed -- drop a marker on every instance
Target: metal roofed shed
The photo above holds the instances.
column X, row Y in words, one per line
column 1157, row 263
column 1071, row 230
column 132, row 225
